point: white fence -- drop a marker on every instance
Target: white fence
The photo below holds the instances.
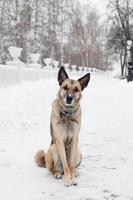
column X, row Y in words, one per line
column 10, row 75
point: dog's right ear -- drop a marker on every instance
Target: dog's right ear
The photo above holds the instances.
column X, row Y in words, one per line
column 62, row 75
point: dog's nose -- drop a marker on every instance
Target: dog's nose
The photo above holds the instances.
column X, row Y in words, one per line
column 69, row 99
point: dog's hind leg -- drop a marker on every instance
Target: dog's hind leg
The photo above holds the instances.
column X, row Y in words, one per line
column 53, row 163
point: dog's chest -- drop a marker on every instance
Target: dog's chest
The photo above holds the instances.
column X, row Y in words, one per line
column 69, row 131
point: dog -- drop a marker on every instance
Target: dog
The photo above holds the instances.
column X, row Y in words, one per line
column 64, row 156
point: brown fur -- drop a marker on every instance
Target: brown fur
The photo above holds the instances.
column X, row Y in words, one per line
column 63, row 156
column 40, row 158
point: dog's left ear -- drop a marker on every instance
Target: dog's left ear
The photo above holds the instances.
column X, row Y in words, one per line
column 84, row 81
column 62, row 75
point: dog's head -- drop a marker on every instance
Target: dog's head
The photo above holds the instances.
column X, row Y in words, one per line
column 70, row 90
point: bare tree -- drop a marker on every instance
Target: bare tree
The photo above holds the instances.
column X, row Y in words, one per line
column 26, row 24
column 59, row 29
column 120, row 19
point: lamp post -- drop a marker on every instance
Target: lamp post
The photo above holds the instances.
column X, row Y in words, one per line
column 129, row 60
column 129, row 45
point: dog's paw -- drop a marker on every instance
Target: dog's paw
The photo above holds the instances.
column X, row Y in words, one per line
column 74, row 182
column 57, row 175
column 76, row 174
column 68, row 182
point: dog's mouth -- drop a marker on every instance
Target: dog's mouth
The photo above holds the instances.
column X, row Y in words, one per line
column 68, row 104
column 68, row 101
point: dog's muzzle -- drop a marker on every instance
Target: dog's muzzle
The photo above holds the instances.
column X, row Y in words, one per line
column 69, row 99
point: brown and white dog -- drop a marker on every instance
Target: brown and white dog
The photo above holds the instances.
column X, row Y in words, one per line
column 63, row 156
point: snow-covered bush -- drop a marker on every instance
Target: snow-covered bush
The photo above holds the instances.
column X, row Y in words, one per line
column 35, row 58
column 48, row 61
column 55, row 63
column 15, row 52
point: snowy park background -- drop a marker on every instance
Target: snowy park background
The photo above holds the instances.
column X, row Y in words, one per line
column 105, row 140
column 35, row 40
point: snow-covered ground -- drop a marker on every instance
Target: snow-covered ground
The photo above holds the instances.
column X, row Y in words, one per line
column 106, row 141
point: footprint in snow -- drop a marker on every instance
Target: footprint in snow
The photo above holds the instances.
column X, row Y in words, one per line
column 108, row 195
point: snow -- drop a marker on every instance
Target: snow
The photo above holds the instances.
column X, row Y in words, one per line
column 116, row 72
column 106, row 141
column 35, row 57
column 55, row 63
column 48, row 61
column 66, row 65
column 15, row 52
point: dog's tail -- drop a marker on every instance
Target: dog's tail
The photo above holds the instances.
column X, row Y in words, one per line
column 40, row 158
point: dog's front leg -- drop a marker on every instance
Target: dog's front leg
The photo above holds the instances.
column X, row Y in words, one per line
column 73, row 159
column 62, row 153
column 58, row 132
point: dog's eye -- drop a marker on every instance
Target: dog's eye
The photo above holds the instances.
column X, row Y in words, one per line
column 76, row 89
column 65, row 87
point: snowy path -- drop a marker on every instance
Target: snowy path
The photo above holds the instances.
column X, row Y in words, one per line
column 106, row 140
